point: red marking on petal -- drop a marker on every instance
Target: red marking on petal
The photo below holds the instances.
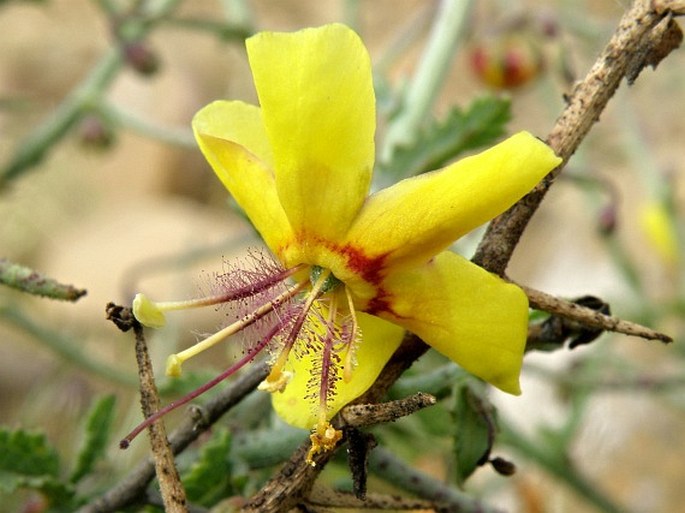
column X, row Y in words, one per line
column 379, row 304
column 369, row 268
column 372, row 269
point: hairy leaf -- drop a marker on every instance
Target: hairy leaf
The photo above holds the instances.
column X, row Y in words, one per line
column 28, row 461
column 95, row 438
column 475, row 425
column 478, row 126
column 25, row 453
column 210, row 479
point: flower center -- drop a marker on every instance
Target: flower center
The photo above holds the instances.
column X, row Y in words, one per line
column 314, row 317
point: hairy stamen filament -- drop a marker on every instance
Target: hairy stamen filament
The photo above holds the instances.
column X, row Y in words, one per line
column 348, row 363
column 324, row 384
column 232, row 295
column 123, row 444
column 277, row 369
column 175, row 361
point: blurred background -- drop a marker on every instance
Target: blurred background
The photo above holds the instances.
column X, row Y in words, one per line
column 118, row 200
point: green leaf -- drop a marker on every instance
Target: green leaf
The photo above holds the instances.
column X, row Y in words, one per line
column 28, row 461
column 95, row 438
column 210, row 478
column 438, row 382
column 480, row 125
column 475, row 426
column 28, row 454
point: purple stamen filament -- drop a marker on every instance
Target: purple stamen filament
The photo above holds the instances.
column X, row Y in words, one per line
column 316, row 291
column 235, row 293
column 241, row 324
column 201, row 390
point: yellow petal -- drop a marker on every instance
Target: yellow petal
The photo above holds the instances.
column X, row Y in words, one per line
column 232, row 138
column 419, row 217
column 657, row 225
column 316, row 94
column 380, row 339
column 468, row 314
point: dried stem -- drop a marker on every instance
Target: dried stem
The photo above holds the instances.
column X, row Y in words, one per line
column 588, row 317
column 360, row 415
column 173, row 493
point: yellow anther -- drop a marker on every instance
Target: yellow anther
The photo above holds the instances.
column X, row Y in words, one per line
column 173, row 366
column 324, row 438
column 276, row 385
column 147, row 312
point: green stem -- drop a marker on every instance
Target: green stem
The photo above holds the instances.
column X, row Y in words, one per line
column 429, row 76
column 27, row 280
column 239, row 12
column 35, row 147
column 176, row 136
column 557, row 464
column 226, row 31
column 65, row 347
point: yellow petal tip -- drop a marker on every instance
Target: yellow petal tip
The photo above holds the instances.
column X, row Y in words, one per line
column 147, row 312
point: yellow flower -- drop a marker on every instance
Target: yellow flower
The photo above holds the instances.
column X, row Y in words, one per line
column 300, row 167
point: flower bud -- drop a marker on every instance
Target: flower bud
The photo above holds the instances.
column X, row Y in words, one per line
column 141, row 58
column 95, row 132
column 607, row 219
column 503, row 467
column 507, row 61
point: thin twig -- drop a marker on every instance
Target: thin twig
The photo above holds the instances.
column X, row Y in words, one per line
column 360, row 415
column 588, row 317
column 173, row 493
column 32, row 282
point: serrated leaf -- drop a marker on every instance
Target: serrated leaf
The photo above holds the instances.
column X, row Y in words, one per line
column 58, row 495
column 209, row 479
column 475, row 426
column 95, row 437
column 480, row 125
column 28, row 454
column 28, row 461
